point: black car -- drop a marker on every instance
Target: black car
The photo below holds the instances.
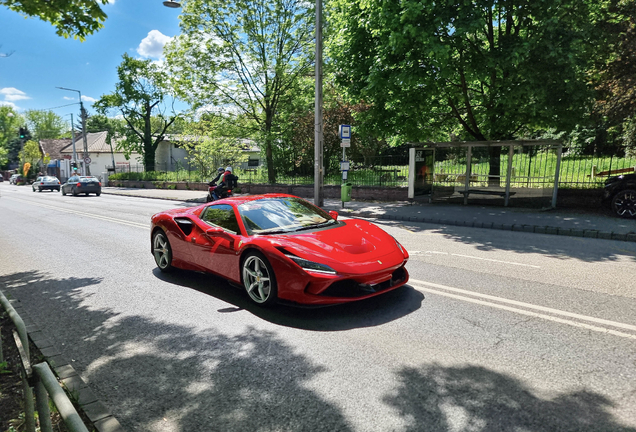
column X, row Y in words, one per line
column 82, row 185
column 620, row 193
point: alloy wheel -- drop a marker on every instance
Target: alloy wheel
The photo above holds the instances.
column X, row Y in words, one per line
column 624, row 203
column 162, row 252
column 258, row 279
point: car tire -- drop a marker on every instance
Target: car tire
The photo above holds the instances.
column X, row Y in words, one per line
column 33, row 189
column 74, row 192
column 98, row 193
column 258, row 279
column 86, row 194
column 63, row 192
column 39, row 189
column 161, row 251
column 624, row 203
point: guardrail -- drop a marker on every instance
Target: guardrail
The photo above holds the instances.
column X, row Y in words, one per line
column 41, row 377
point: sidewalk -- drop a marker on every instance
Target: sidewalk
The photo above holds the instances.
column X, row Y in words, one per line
column 578, row 223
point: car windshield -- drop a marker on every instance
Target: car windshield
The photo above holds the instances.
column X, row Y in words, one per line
column 281, row 215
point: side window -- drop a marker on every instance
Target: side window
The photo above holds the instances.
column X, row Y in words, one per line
column 221, row 215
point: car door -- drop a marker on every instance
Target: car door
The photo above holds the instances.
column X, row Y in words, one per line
column 216, row 242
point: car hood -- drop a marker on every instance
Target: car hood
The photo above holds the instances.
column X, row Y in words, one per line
column 355, row 245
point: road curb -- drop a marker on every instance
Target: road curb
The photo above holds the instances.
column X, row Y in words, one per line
column 68, row 377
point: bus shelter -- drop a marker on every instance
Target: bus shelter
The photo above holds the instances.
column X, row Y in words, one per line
column 464, row 168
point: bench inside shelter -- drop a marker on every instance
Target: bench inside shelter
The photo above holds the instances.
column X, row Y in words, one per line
column 484, row 192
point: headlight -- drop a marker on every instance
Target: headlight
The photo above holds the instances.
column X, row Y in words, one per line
column 311, row 265
column 397, row 243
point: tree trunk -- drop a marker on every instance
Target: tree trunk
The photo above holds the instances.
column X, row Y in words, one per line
column 271, row 172
column 149, row 149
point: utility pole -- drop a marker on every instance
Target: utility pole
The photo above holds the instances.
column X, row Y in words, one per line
column 73, row 141
column 87, row 166
column 318, row 139
column 87, row 169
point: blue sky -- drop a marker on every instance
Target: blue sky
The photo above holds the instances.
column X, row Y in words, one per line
column 41, row 60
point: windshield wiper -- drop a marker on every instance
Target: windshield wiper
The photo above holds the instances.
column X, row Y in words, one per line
column 318, row 225
column 274, row 231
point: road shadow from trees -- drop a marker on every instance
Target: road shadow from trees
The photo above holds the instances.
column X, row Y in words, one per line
column 160, row 376
column 473, row 398
column 559, row 247
column 157, row 376
column 371, row 312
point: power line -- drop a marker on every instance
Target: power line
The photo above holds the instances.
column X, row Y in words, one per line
column 74, row 103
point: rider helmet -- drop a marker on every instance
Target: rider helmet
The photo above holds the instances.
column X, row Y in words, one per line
column 228, row 169
column 220, row 170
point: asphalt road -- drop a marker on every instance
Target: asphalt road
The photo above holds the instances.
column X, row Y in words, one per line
column 496, row 330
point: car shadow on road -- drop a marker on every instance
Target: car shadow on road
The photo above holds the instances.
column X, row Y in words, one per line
column 371, row 312
column 467, row 398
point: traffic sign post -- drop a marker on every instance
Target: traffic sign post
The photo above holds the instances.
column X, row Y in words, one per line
column 344, row 131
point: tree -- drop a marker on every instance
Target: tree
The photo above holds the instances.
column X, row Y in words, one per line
column 243, row 56
column 44, row 124
column 31, row 156
column 77, row 18
column 614, row 76
column 213, row 141
column 484, row 70
column 10, row 123
column 139, row 97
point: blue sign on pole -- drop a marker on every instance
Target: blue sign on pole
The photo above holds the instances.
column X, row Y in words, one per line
column 345, row 132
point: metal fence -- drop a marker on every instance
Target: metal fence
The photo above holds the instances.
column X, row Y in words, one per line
column 531, row 168
column 41, row 377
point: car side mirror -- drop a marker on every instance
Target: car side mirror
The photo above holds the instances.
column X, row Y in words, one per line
column 333, row 214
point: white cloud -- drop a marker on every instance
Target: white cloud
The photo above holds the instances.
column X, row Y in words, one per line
column 68, row 98
column 13, row 94
column 88, row 99
column 11, row 104
column 152, row 45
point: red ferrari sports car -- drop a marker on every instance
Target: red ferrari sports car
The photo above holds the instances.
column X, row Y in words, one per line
column 281, row 247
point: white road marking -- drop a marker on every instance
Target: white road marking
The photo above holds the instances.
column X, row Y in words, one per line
column 473, row 257
column 595, row 320
column 90, row 215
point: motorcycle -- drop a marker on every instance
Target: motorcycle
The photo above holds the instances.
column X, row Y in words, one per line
column 211, row 188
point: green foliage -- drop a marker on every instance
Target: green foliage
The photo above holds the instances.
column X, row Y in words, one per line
column 77, row 18
column 483, row 70
column 44, row 124
column 31, row 154
column 215, row 140
column 243, row 56
column 10, row 123
column 139, row 95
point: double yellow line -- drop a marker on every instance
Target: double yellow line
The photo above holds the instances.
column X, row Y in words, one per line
column 555, row 315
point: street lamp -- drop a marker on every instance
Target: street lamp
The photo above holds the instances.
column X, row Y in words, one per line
column 87, row 168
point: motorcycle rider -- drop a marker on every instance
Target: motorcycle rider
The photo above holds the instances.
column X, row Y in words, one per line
column 229, row 181
column 219, row 174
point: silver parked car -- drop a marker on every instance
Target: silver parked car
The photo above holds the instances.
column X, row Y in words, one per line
column 82, row 185
column 46, row 182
